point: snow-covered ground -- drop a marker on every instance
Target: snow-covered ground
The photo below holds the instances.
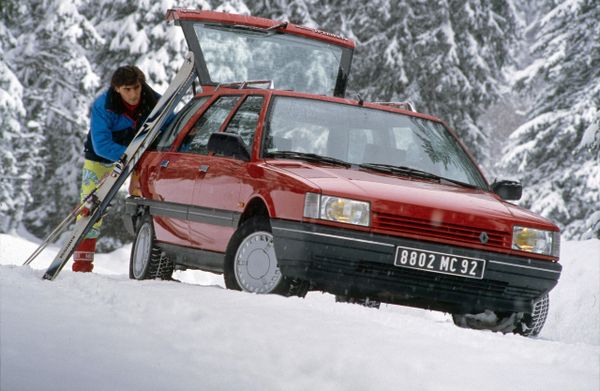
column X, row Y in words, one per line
column 102, row 331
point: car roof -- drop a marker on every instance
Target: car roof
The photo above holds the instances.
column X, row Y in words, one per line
column 394, row 108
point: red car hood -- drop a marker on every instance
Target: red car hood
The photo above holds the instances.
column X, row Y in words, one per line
column 421, row 200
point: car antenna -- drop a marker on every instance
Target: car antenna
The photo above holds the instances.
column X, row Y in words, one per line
column 282, row 25
column 360, row 99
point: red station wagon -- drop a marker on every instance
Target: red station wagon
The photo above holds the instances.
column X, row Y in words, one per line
column 271, row 177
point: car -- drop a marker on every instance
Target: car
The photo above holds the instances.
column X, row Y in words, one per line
column 272, row 177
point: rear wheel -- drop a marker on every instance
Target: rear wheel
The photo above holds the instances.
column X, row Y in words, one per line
column 251, row 263
column 526, row 324
column 147, row 261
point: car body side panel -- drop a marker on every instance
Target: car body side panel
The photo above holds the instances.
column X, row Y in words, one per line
column 282, row 193
column 217, row 187
column 174, row 184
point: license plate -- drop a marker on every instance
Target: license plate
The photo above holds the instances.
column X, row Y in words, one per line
column 431, row 261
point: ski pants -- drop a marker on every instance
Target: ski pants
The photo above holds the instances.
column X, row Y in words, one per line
column 93, row 173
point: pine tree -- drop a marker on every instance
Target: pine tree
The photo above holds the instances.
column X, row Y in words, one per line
column 19, row 138
column 58, row 82
column 556, row 153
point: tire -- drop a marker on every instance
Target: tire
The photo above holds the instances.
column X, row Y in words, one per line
column 531, row 324
column 525, row 324
column 147, row 261
column 251, row 262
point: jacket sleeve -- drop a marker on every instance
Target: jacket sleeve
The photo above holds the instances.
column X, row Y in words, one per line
column 100, row 128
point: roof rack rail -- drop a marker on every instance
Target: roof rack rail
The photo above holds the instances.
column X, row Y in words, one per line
column 244, row 84
column 407, row 105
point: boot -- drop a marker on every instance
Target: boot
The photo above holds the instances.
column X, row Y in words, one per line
column 83, row 257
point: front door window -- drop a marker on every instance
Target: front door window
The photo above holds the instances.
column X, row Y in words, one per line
column 196, row 141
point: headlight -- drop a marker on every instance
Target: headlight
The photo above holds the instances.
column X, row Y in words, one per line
column 342, row 210
column 536, row 241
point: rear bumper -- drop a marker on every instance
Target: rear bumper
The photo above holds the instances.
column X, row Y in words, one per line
column 358, row 264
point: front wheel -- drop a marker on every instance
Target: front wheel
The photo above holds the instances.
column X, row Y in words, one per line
column 526, row 324
column 147, row 261
column 251, row 263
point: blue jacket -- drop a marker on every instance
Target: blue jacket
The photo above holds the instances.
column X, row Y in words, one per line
column 111, row 129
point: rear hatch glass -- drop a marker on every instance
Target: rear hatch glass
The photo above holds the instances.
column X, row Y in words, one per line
column 235, row 48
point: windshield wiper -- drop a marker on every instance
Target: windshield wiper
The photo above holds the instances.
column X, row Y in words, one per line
column 311, row 157
column 403, row 170
column 413, row 172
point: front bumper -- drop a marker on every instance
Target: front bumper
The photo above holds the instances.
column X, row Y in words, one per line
column 358, row 264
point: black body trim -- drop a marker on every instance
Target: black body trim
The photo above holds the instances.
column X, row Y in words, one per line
column 199, row 214
column 194, row 258
column 359, row 264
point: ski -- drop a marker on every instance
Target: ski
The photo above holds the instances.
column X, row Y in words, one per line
column 107, row 190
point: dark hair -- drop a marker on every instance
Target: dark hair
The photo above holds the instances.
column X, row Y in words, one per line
column 127, row 75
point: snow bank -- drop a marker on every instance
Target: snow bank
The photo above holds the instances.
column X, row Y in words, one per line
column 102, row 331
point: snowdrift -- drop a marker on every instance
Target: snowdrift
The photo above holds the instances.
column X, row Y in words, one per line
column 103, row 331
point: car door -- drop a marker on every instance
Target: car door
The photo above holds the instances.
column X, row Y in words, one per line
column 184, row 165
column 168, row 178
column 217, row 206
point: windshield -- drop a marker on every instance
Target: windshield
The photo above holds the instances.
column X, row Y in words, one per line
column 369, row 137
column 238, row 53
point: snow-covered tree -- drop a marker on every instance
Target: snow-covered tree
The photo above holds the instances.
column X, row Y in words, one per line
column 49, row 59
column 556, row 153
column 19, row 138
column 14, row 181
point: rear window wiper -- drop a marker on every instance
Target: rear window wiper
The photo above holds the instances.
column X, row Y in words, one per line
column 311, row 157
column 264, row 31
column 413, row 172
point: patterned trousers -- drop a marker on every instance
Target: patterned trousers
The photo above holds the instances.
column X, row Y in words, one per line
column 93, row 173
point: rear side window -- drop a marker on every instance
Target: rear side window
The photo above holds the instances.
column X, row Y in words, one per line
column 178, row 123
column 246, row 118
column 196, row 140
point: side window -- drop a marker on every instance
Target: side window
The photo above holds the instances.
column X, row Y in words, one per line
column 196, row 140
column 178, row 123
column 246, row 118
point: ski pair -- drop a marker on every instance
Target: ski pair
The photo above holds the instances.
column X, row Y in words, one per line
column 108, row 188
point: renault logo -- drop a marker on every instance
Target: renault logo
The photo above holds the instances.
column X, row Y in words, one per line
column 483, row 237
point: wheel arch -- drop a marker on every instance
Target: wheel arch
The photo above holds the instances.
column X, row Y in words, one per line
column 256, row 207
column 140, row 212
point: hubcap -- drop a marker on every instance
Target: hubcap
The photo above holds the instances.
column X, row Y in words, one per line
column 255, row 265
column 141, row 254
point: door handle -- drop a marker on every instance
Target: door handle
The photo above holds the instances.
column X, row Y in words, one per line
column 164, row 164
column 203, row 168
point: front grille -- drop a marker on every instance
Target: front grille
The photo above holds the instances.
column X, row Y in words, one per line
column 440, row 291
column 438, row 232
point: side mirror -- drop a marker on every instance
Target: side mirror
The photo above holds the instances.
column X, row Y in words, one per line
column 508, row 190
column 228, row 144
